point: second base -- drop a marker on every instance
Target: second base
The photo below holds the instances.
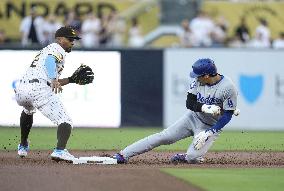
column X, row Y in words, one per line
column 95, row 160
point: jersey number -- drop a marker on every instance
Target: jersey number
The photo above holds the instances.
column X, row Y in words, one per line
column 35, row 61
column 230, row 103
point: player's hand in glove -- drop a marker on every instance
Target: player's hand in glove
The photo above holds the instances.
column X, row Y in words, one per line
column 211, row 109
column 201, row 138
column 82, row 76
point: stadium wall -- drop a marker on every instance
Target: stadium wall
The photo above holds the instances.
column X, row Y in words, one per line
column 257, row 74
column 142, row 87
column 94, row 105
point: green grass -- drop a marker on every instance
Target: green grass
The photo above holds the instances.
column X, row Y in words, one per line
column 116, row 139
column 81, row 138
column 260, row 179
column 250, row 140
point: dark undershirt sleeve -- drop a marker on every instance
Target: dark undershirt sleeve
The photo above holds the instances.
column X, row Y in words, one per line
column 192, row 104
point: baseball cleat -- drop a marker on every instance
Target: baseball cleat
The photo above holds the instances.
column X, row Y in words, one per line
column 62, row 155
column 198, row 160
column 179, row 158
column 120, row 159
column 23, row 150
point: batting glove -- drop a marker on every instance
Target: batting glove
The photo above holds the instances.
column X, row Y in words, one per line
column 211, row 109
column 201, row 138
column 237, row 112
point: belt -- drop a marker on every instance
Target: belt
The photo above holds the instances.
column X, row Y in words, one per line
column 36, row 81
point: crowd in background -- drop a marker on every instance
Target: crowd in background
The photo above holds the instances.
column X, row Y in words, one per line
column 110, row 30
column 106, row 30
column 203, row 31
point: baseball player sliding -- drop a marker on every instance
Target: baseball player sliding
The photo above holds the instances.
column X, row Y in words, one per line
column 211, row 100
column 38, row 89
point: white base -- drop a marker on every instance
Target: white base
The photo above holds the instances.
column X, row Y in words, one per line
column 94, row 160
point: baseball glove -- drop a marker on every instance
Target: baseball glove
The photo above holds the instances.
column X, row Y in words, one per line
column 82, row 76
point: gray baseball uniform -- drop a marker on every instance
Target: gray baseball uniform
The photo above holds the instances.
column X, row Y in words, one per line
column 223, row 94
column 34, row 91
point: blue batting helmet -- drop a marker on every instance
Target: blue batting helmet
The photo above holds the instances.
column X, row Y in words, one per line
column 204, row 66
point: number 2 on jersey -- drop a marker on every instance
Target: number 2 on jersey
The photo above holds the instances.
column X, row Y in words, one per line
column 35, row 61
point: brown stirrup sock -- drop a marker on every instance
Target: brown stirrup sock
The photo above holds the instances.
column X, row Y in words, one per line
column 26, row 122
column 63, row 134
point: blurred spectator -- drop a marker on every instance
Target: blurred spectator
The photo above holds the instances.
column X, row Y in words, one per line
column 50, row 27
column 104, row 33
column 90, row 31
column 135, row 37
column 32, row 28
column 235, row 42
column 259, row 41
column 117, row 28
column 242, row 31
column 263, row 31
column 74, row 21
column 186, row 37
column 202, row 27
column 3, row 37
column 219, row 34
column 262, row 36
column 279, row 42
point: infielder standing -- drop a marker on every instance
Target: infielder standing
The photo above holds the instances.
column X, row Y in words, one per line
column 38, row 87
column 211, row 100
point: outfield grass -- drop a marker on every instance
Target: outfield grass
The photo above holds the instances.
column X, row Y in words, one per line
column 116, row 139
column 251, row 179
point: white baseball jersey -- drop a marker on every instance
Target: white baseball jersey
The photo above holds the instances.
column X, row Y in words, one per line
column 34, row 91
column 38, row 70
column 223, row 94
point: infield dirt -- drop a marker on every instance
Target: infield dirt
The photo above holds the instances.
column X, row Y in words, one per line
column 38, row 172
